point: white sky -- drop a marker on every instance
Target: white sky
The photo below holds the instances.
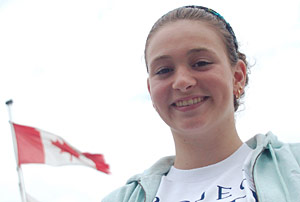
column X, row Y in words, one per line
column 76, row 69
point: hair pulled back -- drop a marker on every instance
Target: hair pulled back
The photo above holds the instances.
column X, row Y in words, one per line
column 198, row 14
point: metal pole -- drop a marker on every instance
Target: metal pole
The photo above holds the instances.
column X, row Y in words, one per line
column 19, row 169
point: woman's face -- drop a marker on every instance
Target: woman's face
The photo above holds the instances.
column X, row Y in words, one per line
column 191, row 81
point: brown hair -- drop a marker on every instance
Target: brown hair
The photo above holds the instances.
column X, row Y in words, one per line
column 214, row 19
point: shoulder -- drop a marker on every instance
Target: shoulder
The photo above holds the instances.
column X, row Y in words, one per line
column 268, row 145
column 121, row 194
column 275, row 164
column 141, row 184
column 269, row 140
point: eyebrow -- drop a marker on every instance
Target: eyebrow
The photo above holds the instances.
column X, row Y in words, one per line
column 156, row 60
column 195, row 50
column 162, row 57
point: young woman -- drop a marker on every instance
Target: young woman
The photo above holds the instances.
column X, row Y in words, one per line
column 196, row 78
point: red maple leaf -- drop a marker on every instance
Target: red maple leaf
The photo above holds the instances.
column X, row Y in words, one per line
column 66, row 148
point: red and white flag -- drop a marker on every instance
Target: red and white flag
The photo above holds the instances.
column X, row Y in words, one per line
column 38, row 146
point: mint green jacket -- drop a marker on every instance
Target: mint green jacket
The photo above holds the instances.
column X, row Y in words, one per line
column 275, row 168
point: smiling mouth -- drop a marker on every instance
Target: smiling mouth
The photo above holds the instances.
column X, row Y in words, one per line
column 185, row 103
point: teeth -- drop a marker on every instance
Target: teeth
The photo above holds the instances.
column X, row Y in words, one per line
column 188, row 102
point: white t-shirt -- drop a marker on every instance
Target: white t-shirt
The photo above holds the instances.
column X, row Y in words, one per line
column 225, row 181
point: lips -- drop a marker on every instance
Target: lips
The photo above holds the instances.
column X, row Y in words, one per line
column 189, row 102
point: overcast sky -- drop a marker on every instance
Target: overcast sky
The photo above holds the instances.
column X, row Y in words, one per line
column 76, row 69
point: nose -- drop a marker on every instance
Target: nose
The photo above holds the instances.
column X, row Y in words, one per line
column 184, row 80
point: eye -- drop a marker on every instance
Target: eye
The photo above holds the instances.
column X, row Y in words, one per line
column 201, row 63
column 164, row 70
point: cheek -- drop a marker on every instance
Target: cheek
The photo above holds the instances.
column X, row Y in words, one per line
column 159, row 95
column 219, row 84
column 226, row 93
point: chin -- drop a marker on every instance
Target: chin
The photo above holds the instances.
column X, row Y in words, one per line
column 190, row 127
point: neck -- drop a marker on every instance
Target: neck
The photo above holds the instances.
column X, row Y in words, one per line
column 207, row 148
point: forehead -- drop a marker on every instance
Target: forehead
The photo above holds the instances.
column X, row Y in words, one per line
column 183, row 35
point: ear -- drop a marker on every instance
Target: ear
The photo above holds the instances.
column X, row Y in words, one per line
column 239, row 76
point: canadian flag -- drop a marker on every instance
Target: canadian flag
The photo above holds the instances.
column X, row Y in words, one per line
column 38, row 146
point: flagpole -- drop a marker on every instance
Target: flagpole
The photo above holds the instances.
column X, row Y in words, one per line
column 19, row 169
